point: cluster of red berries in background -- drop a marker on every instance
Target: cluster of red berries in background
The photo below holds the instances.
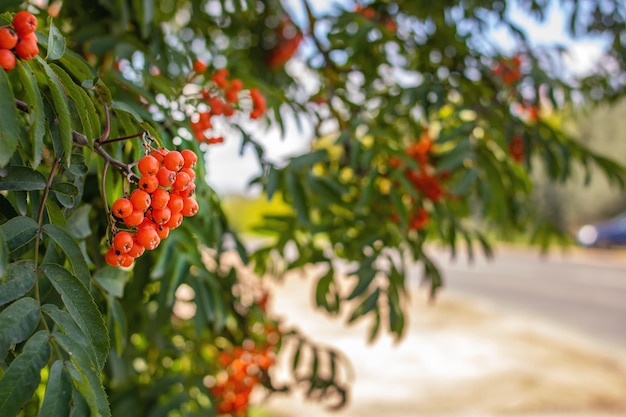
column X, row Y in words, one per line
column 223, row 97
column 508, row 70
column 517, row 149
column 370, row 13
column 162, row 198
column 19, row 39
column 242, row 369
column 288, row 39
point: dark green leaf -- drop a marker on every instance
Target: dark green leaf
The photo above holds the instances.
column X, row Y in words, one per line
column 365, row 278
column 367, row 305
column 17, row 322
column 118, row 327
column 61, row 111
column 298, row 197
column 56, row 43
column 307, row 160
column 18, row 231
column 82, row 307
column 19, row 279
column 4, row 254
column 78, row 165
column 120, row 105
column 79, row 225
column 34, row 100
column 22, row 178
column 21, row 379
column 55, row 213
column 273, row 181
column 56, row 400
column 66, row 188
column 82, row 101
column 9, row 129
column 71, row 249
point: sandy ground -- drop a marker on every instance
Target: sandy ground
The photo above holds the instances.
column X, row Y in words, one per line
column 460, row 358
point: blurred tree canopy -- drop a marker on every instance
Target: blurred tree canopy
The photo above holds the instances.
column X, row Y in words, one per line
column 429, row 119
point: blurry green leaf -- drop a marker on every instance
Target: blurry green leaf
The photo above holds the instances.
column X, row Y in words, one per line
column 20, row 278
column 22, row 178
column 21, row 379
column 18, row 231
column 367, row 305
column 9, row 129
column 307, row 160
column 273, row 181
column 82, row 307
column 112, row 280
column 56, row 43
column 298, row 197
column 34, row 100
column 365, row 278
column 118, row 327
column 463, row 185
column 58, row 394
column 71, row 249
column 17, row 322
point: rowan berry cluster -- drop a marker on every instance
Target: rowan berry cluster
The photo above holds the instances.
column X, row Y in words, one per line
column 242, row 369
column 162, row 198
column 19, row 39
column 508, row 70
column 223, row 97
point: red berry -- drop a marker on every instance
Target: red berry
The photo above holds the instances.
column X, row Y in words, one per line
column 166, row 177
column 199, row 66
column 113, row 257
column 160, row 198
column 8, row 38
column 188, row 191
column 175, row 204
column 122, row 207
column 148, row 238
column 159, row 154
column 161, row 216
column 123, row 242
column 135, row 218
column 190, row 207
column 148, row 165
column 27, row 49
column 175, row 220
column 190, row 158
column 136, row 251
column 7, row 59
column 174, row 161
column 190, row 172
column 182, row 181
column 141, row 200
column 24, row 23
column 163, row 231
column 126, row 260
column 148, row 183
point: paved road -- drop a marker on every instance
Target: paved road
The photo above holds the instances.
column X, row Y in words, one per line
column 583, row 290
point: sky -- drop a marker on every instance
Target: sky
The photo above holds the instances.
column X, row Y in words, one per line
column 229, row 172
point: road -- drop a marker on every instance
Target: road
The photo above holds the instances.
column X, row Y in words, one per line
column 584, row 290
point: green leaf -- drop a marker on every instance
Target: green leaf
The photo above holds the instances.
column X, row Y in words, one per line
column 56, row 400
column 112, row 280
column 78, row 165
column 4, row 254
column 9, row 129
column 78, row 223
column 84, row 375
column 118, row 327
column 273, row 180
column 21, row 379
column 86, row 111
column 66, row 188
column 367, row 305
column 34, row 100
column 21, row 178
column 19, row 279
column 56, row 43
column 61, row 110
column 120, row 105
column 17, row 322
column 18, row 231
column 307, row 160
column 82, row 307
column 298, row 197
column 366, row 277
column 55, row 213
column 71, row 249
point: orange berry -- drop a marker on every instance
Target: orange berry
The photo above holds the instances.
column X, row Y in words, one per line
column 160, row 198
column 27, row 49
column 113, row 257
column 236, row 84
column 190, row 172
column 187, row 191
column 122, row 207
column 136, row 251
column 7, row 59
column 123, row 241
column 199, row 66
column 190, row 207
column 175, row 204
column 217, row 106
column 163, row 231
column 148, row 238
column 182, row 181
column 190, row 158
column 161, row 216
column 231, row 95
column 174, row 161
column 175, row 220
column 141, row 200
column 24, row 23
column 148, row 183
column 8, row 38
column 148, row 165
column 126, row 260
column 135, row 218
column 166, row 177
column 159, row 154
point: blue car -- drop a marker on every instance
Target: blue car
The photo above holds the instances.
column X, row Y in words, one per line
column 604, row 234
